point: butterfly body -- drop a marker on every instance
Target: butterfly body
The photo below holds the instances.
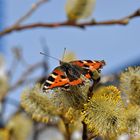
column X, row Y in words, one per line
column 70, row 74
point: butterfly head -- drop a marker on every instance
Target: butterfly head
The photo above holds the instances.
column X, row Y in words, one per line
column 98, row 65
column 103, row 63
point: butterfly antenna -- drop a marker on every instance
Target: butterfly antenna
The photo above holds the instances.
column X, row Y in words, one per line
column 64, row 54
column 50, row 56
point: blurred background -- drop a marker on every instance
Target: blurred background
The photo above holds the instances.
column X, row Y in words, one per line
column 118, row 45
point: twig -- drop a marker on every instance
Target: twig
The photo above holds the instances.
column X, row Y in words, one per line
column 85, row 135
column 67, row 136
column 29, row 13
column 67, row 130
column 24, row 76
column 18, row 57
column 36, row 131
column 91, row 136
column 122, row 21
column 12, row 69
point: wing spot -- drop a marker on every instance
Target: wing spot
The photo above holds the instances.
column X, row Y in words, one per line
column 84, row 62
column 89, row 61
column 80, row 61
column 48, row 82
column 94, row 61
column 55, row 73
column 85, row 65
column 45, row 86
column 63, row 77
column 51, row 79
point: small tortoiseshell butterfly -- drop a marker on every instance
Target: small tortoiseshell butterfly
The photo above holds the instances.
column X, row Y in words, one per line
column 69, row 73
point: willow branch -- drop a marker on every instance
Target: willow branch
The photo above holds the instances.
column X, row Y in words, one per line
column 33, row 8
column 122, row 21
column 25, row 74
column 84, row 136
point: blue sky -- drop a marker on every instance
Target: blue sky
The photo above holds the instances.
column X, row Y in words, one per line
column 115, row 44
column 1, row 21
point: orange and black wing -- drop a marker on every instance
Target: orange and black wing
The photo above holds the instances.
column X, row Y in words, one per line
column 89, row 64
column 58, row 78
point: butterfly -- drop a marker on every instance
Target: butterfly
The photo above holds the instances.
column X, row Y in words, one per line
column 69, row 73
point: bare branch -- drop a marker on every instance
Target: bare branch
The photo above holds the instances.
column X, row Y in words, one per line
column 84, row 136
column 23, row 77
column 122, row 21
column 30, row 12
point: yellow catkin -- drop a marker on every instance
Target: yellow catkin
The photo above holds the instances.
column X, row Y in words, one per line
column 74, row 97
column 130, row 84
column 38, row 105
column 4, row 134
column 104, row 113
column 20, row 126
column 57, row 102
column 78, row 9
column 133, row 119
column 3, row 87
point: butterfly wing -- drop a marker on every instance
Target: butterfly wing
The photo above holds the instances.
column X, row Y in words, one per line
column 90, row 68
column 56, row 79
column 89, row 64
column 59, row 78
column 68, row 74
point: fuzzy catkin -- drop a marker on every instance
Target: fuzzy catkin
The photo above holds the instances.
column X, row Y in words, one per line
column 103, row 113
column 44, row 107
column 78, row 9
column 130, row 84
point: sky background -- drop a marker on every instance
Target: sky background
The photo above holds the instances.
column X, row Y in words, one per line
column 1, row 21
column 117, row 45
